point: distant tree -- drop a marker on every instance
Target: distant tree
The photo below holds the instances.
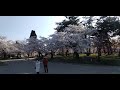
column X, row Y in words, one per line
column 88, row 24
column 56, row 42
column 107, row 26
column 76, row 38
column 70, row 20
column 73, row 37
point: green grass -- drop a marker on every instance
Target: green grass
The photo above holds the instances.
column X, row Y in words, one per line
column 92, row 59
column 93, row 55
column 82, row 55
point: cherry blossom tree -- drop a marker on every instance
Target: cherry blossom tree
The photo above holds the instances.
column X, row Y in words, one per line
column 74, row 37
column 36, row 45
column 7, row 47
column 3, row 46
column 55, row 43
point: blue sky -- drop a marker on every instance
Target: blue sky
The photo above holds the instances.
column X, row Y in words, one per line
column 19, row 27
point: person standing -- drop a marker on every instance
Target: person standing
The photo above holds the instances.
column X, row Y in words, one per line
column 45, row 63
column 37, row 66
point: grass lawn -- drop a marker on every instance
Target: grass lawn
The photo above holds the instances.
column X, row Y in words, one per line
column 92, row 59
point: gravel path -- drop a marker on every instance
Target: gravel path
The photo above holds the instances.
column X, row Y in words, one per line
column 27, row 67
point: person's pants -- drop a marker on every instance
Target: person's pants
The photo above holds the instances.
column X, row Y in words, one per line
column 46, row 68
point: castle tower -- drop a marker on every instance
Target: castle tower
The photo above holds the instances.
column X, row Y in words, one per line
column 33, row 34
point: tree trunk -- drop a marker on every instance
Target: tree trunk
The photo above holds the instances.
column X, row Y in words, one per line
column 28, row 55
column 109, row 49
column 88, row 52
column 39, row 54
column 99, row 53
column 4, row 54
column 119, row 53
column 76, row 55
column 67, row 53
column 94, row 50
column 104, row 49
column 62, row 51
column 17, row 55
column 51, row 54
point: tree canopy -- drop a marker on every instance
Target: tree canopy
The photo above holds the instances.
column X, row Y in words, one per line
column 70, row 20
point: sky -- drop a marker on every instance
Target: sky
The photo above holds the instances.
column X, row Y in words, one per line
column 19, row 27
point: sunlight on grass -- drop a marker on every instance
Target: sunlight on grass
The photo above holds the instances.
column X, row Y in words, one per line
column 82, row 55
